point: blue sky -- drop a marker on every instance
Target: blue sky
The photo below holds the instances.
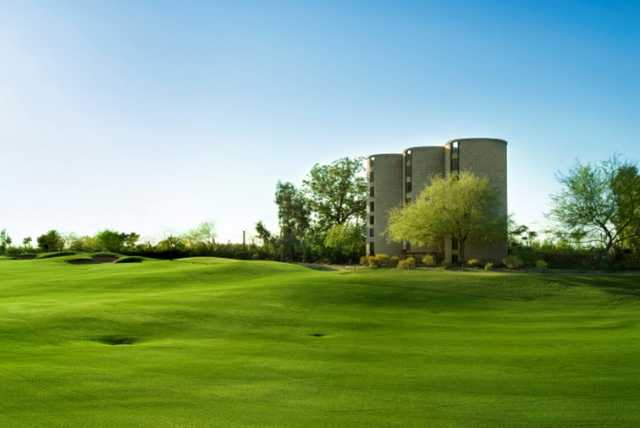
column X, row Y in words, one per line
column 154, row 116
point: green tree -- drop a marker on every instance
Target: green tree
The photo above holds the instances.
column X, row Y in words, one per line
column 460, row 207
column 626, row 190
column 347, row 242
column 110, row 240
column 337, row 192
column 5, row 241
column 599, row 205
column 51, row 241
column 26, row 243
column 172, row 243
column 81, row 243
column 204, row 234
column 294, row 221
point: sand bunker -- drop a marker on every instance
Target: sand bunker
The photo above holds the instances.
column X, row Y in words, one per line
column 93, row 260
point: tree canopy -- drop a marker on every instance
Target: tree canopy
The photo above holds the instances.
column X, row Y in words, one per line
column 461, row 207
column 599, row 205
column 337, row 192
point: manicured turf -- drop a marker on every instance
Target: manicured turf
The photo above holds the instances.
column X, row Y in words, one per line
column 210, row 342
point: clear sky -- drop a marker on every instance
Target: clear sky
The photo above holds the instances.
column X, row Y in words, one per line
column 154, row 116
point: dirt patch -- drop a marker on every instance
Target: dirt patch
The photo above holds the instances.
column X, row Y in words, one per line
column 117, row 340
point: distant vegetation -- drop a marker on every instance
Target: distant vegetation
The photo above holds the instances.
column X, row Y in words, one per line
column 595, row 218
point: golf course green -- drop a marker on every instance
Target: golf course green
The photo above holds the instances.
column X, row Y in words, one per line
column 215, row 342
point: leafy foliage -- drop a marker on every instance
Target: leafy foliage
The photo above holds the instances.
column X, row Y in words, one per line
column 337, row 192
column 5, row 241
column 51, row 241
column 599, row 206
column 460, row 207
column 513, row 262
column 408, row 263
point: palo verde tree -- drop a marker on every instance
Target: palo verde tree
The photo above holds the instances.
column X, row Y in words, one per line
column 599, row 205
column 337, row 193
column 460, row 207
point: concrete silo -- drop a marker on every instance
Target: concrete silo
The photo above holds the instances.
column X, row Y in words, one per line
column 398, row 179
column 421, row 164
column 385, row 193
column 484, row 157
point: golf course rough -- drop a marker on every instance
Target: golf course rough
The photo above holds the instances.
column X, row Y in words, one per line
column 214, row 342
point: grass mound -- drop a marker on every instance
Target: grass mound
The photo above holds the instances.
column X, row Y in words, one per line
column 55, row 254
column 25, row 257
column 214, row 342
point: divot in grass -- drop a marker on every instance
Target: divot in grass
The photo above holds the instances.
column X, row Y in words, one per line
column 117, row 340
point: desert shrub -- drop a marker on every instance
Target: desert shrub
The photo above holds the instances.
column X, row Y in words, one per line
column 475, row 263
column 393, row 261
column 130, row 259
column 513, row 262
column 488, row 266
column 382, row 260
column 429, row 260
column 408, row 263
column 541, row 265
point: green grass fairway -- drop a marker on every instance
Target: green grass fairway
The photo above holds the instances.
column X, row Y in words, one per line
column 211, row 342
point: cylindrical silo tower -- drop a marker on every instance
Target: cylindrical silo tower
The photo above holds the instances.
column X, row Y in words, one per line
column 483, row 157
column 385, row 193
column 421, row 164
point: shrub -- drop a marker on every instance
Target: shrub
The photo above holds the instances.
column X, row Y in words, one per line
column 382, row 260
column 542, row 266
column 408, row 263
column 513, row 262
column 364, row 261
column 393, row 261
column 429, row 260
column 372, row 261
column 475, row 263
column 488, row 266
